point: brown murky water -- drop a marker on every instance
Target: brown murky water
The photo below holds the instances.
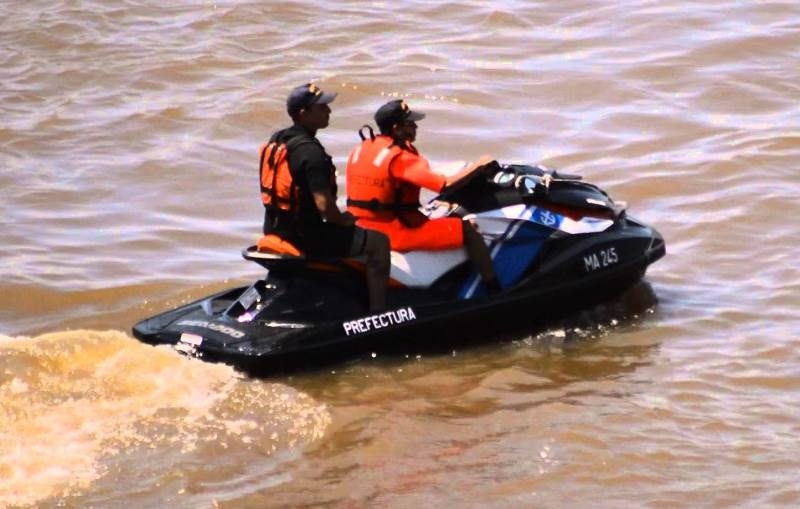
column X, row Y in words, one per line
column 128, row 138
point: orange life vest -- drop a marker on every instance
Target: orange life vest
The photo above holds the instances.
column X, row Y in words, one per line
column 372, row 193
column 277, row 186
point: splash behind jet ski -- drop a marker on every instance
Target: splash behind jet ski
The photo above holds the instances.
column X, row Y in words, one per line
column 558, row 244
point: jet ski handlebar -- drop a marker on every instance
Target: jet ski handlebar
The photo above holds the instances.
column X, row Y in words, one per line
column 494, row 184
column 530, row 180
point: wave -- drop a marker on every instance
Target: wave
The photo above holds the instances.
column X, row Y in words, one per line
column 73, row 403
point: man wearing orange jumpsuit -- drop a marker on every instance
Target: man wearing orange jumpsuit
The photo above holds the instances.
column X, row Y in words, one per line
column 384, row 177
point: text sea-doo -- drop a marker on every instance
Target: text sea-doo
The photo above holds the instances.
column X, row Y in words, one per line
column 558, row 244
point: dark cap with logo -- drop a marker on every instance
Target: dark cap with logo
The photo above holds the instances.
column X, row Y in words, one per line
column 306, row 95
column 395, row 112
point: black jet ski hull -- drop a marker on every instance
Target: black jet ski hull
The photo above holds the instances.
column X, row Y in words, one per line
column 580, row 276
column 558, row 244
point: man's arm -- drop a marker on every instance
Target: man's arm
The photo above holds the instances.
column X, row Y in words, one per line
column 315, row 164
column 415, row 169
column 468, row 170
column 326, row 204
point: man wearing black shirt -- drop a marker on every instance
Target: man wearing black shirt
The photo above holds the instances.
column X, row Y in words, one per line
column 317, row 226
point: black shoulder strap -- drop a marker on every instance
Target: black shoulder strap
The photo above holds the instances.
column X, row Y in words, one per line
column 296, row 141
column 291, row 144
column 374, row 204
column 277, row 135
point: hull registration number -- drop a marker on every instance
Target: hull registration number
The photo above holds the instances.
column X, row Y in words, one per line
column 600, row 259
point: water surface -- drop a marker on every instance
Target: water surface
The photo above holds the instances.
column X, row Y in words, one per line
column 128, row 153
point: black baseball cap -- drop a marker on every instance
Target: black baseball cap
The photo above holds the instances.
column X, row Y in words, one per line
column 306, row 95
column 395, row 112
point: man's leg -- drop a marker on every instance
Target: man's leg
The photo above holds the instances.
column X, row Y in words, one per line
column 334, row 240
column 479, row 256
column 376, row 247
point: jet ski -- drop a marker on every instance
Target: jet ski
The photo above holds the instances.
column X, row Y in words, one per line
column 558, row 244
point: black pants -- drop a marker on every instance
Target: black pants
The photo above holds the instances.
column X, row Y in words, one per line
column 316, row 238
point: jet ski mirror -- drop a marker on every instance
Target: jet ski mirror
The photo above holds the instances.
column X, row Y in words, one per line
column 504, row 179
column 527, row 184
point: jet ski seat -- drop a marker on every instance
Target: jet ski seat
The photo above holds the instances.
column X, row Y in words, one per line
column 272, row 252
column 273, row 244
column 275, row 253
